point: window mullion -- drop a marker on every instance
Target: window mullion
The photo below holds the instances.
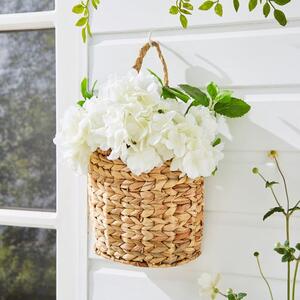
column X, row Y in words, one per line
column 27, row 21
column 26, row 218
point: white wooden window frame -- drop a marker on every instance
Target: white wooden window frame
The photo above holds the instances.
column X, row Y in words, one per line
column 70, row 218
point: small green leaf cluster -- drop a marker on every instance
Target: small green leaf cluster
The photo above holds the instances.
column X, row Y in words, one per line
column 231, row 295
column 271, row 5
column 85, row 92
column 219, row 101
column 287, row 252
column 182, row 8
column 83, row 9
column 217, row 6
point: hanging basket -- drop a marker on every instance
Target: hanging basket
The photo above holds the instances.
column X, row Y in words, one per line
column 151, row 220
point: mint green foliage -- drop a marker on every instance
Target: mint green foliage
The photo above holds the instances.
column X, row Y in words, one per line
column 183, row 8
column 85, row 92
column 218, row 101
column 83, row 9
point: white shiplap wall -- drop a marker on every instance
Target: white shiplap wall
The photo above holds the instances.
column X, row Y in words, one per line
column 260, row 61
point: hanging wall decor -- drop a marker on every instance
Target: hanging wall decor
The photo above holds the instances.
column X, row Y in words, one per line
column 146, row 148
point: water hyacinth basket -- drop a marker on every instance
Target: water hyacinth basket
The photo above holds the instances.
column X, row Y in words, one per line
column 150, row 220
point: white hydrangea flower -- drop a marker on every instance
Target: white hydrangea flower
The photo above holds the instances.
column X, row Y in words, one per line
column 130, row 118
column 73, row 139
column 207, row 284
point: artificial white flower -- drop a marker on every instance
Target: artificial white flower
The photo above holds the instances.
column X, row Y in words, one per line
column 73, row 139
column 130, row 118
column 208, row 284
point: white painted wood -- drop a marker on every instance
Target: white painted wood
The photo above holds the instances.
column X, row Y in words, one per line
column 71, row 189
column 26, row 21
column 25, row 218
column 232, row 59
column 169, row 284
column 239, row 54
column 153, row 15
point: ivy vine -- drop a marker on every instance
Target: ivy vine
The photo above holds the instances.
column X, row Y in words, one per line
column 185, row 8
column 83, row 9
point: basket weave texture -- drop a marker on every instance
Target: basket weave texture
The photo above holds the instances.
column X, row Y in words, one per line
column 151, row 220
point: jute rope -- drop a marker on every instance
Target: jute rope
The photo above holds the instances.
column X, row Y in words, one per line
column 142, row 54
column 150, row 220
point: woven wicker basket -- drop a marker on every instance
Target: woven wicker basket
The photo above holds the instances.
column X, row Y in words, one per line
column 151, row 220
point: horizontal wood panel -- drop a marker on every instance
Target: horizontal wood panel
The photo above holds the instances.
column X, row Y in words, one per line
column 110, row 282
column 154, row 14
column 233, row 59
column 236, row 189
column 230, row 238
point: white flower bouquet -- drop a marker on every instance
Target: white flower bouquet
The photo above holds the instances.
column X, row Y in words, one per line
column 145, row 123
column 146, row 147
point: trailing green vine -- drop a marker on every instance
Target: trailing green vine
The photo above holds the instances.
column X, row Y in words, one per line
column 183, row 8
column 83, row 9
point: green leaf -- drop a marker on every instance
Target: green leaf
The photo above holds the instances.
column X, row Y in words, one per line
column 93, row 87
column 195, row 93
column 212, row 90
column 298, row 246
column 216, row 142
column 156, row 76
column 94, row 3
column 214, row 171
column 266, row 9
column 78, row 9
column 84, row 89
column 89, row 29
column 231, row 297
column 287, row 257
column 183, row 21
column 173, row 10
column 233, row 109
column 270, row 183
column 280, row 17
column 224, row 96
column 280, row 250
column 83, row 34
column 281, row 2
column 272, row 211
column 252, row 4
column 188, row 6
column 166, row 94
column 81, row 102
column 84, row 85
column 206, row 5
column 177, row 93
column 219, row 9
column 236, row 4
column 185, row 11
column 81, row 22
column 241, row 296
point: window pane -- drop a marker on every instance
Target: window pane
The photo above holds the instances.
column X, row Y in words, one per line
column 27, row 263
column 27, row 119
column 16, row 6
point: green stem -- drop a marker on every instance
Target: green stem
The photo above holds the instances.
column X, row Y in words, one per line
column 264, row 277
column 295, row 278
column 285, row 184
column 287, row 226
column 270, row 2
column 272, row 190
